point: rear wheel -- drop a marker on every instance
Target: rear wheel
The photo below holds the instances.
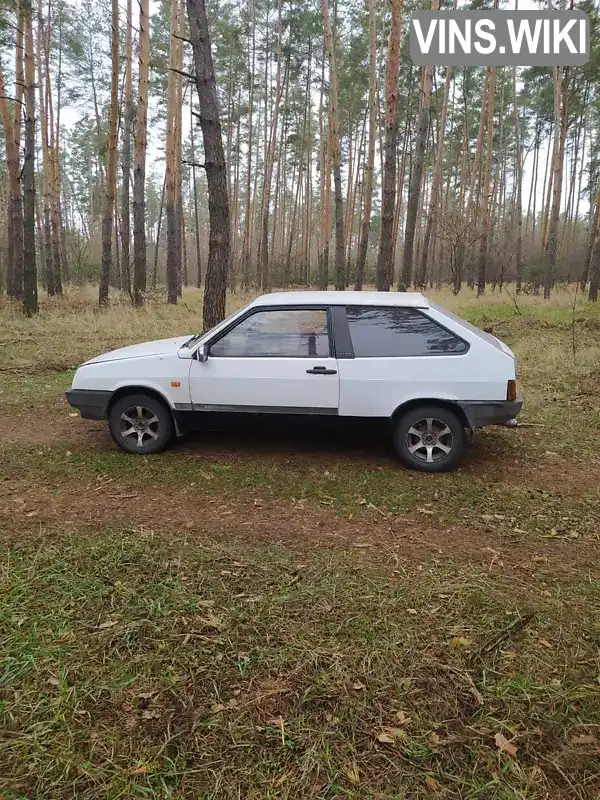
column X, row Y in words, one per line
column 430, row 439
column 141, row 424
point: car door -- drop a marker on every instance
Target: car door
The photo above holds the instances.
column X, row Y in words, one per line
column 273, row 360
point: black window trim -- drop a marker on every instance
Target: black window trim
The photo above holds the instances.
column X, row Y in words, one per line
column 423, row 314
column 278, row 307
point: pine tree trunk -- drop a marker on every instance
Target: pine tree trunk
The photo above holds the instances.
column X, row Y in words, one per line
column 195, row 193
column 592, row 238
column 595, row 268
column 216, row 168
column 158, row 232
column 385, row 258
column 126, row 155
column 173, row 113
column 263, row 239
column 485, row 215
column 53, row 164
column 471, row 211
column 139, row 168
column 416, row 178
column 17, row 283
column 46, row 162
column 335, row 149
column 111, row 174
column 15, row 205
column 363, row 246
column 30, row 294
column 246, row 250
column 518, row 189
column 437, row 180
column 64, row 262
column 552, row 236
column 324, row 226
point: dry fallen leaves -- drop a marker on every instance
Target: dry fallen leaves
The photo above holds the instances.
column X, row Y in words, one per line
column 503, row 744
column 108, row 624
column 460, row 641
column 390, row 735
column 141, row 769
column 584, row 739
column 432, row 784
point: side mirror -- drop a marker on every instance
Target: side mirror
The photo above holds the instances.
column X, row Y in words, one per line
column 202, row 353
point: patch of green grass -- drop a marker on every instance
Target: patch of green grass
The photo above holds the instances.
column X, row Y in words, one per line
column 144, row 665
column 43, row 392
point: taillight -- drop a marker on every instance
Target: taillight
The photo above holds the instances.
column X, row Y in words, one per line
column 511, row 390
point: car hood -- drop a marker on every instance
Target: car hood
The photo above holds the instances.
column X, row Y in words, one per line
column 157, row 348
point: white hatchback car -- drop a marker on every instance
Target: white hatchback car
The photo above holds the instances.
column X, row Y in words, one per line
column 394, row 356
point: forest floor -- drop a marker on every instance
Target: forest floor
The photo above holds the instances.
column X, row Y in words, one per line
column 287, row 617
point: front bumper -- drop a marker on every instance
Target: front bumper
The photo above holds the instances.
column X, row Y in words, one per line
column 91, row 404
column 491, row 412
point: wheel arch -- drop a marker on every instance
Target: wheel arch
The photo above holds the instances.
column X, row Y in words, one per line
column 450, row 405
column 123, row 391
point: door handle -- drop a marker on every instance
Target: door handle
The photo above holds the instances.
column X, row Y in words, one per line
column 321, row 371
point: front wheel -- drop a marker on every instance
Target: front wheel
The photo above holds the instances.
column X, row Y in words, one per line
column 141, row 424
column 430, row 439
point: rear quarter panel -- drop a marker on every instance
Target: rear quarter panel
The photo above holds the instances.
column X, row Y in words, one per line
column 376, row 387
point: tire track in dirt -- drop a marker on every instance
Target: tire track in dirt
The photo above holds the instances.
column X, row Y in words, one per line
column 393, row 541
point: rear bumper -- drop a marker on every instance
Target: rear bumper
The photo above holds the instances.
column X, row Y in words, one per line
column 90, row 403
column 488, row 412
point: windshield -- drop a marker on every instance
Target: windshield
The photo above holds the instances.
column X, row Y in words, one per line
column 196, row 338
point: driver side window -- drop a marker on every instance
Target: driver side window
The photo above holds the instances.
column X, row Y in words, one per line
column 278, row 333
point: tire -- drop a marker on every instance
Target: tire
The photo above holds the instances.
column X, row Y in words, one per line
column 128, row 415
column 430, row 439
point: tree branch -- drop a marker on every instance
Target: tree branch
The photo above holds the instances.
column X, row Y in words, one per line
column 182, row 38
column 185, row 74
column 194, row 164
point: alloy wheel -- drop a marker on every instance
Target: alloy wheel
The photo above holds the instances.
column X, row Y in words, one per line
column 429, row 440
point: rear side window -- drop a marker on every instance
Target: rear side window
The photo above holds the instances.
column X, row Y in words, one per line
column 472, row 328
column 396, row 332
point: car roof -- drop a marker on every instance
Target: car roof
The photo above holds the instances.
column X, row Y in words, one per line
column 403, row 299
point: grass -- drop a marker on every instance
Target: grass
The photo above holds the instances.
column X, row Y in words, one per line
column 292, row 618
column 345, row 487
column 134, row 666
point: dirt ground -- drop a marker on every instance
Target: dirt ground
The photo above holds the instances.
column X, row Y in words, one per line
column 201, row 512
